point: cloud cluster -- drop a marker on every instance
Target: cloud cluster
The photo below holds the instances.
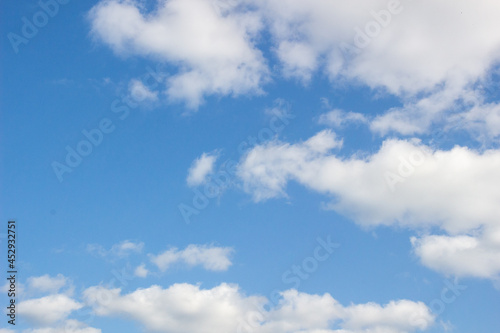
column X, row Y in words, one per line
column 224, row 308
column 51, row 312
column 407, row 48
column 212, row 258
column 426, row 53
column 381, row 43
column 404, row 183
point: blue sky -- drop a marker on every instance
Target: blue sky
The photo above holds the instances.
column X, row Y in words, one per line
column 252, row 166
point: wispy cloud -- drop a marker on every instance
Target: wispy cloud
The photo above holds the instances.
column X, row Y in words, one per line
column 339, row 118
column 140, row 93
column 120, row 250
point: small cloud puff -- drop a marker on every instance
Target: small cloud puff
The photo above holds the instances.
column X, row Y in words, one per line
column 201, row 168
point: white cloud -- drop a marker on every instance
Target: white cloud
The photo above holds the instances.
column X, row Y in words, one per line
column 180, row 308
column 141, row 271
column 45, row 283
column 140, row 93
column 5, row 330
column 201, row 168
column 404, row 183
column 70, row 326
column 339, row 118
column 187, row 308
column 462, row 255
column 211, row 42
column 122, row 249
column 455, row 189
column 212, row 258
column 49, row 309
column 396, row 316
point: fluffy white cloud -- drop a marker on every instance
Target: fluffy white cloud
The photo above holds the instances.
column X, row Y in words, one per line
column 180, row 308
column 210, row 41
column 70, row 326
column 49, row 309
column 397, row 316
column 201, row 168
column 187, row 308
column 300, row 311
column 140, row 93
column 404, row 183
column 462, row 255
column 212, row 258
column 387, row 39
column 45, row 283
